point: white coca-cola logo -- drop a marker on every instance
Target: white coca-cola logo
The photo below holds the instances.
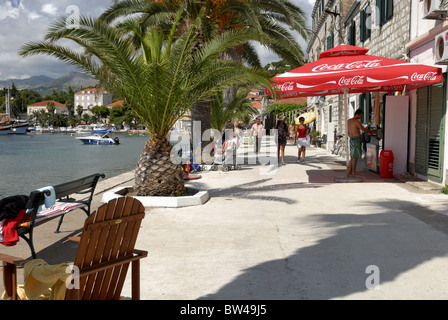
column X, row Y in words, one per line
column 287, row 86
column 429, row 76
column 350, row 65
column 351, row 81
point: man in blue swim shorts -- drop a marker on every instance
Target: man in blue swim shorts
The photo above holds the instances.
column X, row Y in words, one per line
column 354, row 127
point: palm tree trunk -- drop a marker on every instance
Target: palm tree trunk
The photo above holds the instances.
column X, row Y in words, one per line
column 156, row 174
column 201, row 112
column 230, row 93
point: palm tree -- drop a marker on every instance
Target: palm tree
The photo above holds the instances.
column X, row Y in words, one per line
column 160, row 82
column 237, row 109
column 51, row 107
column 276, row 19
column 79, row 110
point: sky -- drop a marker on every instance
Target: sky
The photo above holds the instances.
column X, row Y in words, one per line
column 23, row 21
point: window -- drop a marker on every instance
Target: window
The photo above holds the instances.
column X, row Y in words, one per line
column 330, row 114
column 352, row 34
column 365, row 104
column 365, row 24
column 330, row 41
column 385, row 11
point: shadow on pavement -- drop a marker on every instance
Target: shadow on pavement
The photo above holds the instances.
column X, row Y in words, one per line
column 257, row 191
column 336, row 266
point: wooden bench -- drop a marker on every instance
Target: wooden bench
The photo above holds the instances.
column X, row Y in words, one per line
column 65, row 203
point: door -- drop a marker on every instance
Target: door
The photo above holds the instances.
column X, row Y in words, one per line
column 430, row 131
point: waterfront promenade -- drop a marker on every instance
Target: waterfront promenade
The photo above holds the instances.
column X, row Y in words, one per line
column 290, row 234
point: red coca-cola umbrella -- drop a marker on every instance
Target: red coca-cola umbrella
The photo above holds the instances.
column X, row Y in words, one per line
column 349, row 69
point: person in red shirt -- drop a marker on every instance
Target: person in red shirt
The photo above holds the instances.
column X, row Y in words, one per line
column 302, row 143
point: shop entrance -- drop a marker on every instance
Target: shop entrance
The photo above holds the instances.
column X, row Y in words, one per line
column 430, row 131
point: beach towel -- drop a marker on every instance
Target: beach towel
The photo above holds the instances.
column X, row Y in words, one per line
column 43, row 281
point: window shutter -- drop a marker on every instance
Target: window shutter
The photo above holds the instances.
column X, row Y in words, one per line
column 389, row 9
column 368, row 26
column 330, row 114
column 380, row 12
column 330, row 41
column 362, row 26
column 353, row 34
column 349, row 38
column 361, row 105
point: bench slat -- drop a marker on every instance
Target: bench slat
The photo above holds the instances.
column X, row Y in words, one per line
column 63, row 191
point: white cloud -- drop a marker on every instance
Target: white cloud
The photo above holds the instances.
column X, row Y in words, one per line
column 10, row 9
column 33, row 16
column 50, row 9
column 23, row 21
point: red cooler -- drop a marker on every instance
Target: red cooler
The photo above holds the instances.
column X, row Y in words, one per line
column 386, row 164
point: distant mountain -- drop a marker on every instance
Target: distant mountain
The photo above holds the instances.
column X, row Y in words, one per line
column 26, row 83
column 76, row 80
column 45, row 85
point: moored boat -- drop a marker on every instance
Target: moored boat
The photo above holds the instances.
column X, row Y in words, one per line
column 19, row 128
column 5, row 129
column 9, row 125
column 98, row 139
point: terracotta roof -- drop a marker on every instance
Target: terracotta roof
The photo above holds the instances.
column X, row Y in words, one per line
column 117, row 103
column 256, row 104
column 299, row 100
column 44, row 104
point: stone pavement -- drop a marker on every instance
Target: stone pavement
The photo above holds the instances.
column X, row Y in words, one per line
column 289, row 233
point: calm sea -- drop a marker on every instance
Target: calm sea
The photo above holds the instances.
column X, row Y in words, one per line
column 32, row 161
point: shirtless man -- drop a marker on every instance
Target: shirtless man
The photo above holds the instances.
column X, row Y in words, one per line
column 354, row 127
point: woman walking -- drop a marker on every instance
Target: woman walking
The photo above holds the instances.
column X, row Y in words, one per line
column 292, row 130
column 302, row 143
column 282, row 134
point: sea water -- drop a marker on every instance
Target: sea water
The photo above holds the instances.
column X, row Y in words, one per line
column 32, row 161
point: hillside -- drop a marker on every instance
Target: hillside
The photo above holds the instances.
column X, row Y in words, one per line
column 45, row 85
column 26, row 83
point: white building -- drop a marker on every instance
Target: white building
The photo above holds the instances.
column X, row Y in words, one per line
column 60, row 108
column 91, row 97
column 429, row 45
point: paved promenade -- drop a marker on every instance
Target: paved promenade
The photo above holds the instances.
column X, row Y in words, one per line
column 290, row 233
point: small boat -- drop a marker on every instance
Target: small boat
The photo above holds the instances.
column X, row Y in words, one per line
column 5, row 128
column 99, row 139
column 19, row 127
column 9, row 125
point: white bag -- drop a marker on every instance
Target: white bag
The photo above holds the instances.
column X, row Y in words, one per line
column 308, row 142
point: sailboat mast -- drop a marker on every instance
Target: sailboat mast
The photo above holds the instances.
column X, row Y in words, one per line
column 8, row 108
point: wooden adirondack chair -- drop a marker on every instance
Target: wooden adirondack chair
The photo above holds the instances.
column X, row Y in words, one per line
column 106, row 248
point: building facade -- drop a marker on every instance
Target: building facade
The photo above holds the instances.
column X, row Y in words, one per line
column 92, row 97
column 60, row 108
column 383, row 27
column 327, row 32
column 428, row 45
